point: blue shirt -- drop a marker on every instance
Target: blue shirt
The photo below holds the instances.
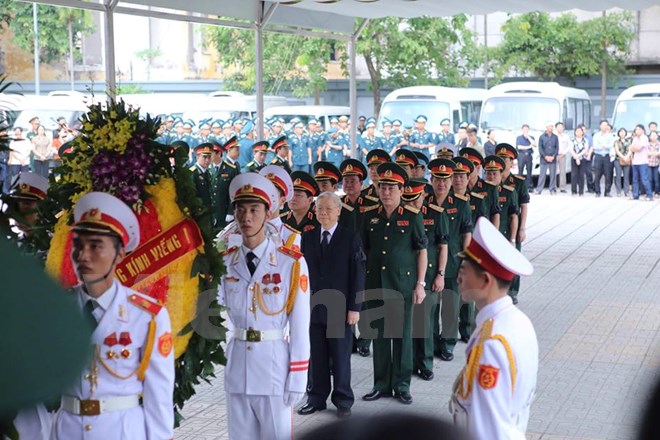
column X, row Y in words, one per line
column 388, row 143
column 422, row 138
column 299, row 147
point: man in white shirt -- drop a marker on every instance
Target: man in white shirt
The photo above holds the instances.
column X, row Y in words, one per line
column 564, row 148
column 19, row 155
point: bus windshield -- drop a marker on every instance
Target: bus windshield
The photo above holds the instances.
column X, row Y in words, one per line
column 510, row 113
column 406, row 111
column 636, row 111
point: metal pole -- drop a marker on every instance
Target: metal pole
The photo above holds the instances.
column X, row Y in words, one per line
column 35, row 24
column 259, row 85
column 352, row 93
column 486, row 51
column 110, row 79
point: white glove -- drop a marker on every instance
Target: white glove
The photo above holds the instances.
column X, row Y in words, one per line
column 229, row 218
column 291, row 398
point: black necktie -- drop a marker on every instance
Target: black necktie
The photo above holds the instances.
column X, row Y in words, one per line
column 88, row 313
column 325, row 242
column 250, row 262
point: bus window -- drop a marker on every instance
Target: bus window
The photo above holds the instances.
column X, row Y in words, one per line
column 579, row 113
column 457, row 120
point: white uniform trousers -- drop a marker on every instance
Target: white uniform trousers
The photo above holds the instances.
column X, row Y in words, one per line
column 258, row 417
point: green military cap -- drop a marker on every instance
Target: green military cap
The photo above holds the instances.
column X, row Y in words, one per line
column 46, row 342
column 406, row 158
column 324, row 170
column 414, row 189
column 474, row 155
column 463, row 165
column 506, row 150
column 65, row 149
column 378, row 156
column 353, row 167
column 302, row 181
column 261, row 146
column 391, row 173
column 442, row 168
column 422, row 159
column 493, row 163
column 204, row 148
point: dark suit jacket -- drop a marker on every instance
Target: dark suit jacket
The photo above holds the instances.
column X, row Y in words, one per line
column 341, row 268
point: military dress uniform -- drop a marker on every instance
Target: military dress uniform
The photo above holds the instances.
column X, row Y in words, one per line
column 423, row 137
column 507, row 196
column 303, row 182
column 299, row 151
column 391, row 245
column 222, row 177
column 202, row 178
column 280, row 142
column 126, row 389
column 493, row 393
column 269, row 314
column 253, row 166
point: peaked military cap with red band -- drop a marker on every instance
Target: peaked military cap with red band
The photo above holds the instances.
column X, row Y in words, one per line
column 204, row 148
column 378, row 156
column 506, row 150
column 28, row 186
column 279, row 143
column 217, row 147
column 493, row 163
column 463, row 165
column 414, row 189
column 444, row 151
column 442, row 168
column 324, row 170
column 65, row 149
column 231, row 143
column 353, row 167
column 474, row 155
column 302, row 181
column 179, row 144
column 102, row 213
column 280, row 178
column 261, row 146
column 406, row 158
column 253, row 187
column 422, row 159
column 392, row 173
column 490, row 250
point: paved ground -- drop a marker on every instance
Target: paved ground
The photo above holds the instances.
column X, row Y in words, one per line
column 595, row 304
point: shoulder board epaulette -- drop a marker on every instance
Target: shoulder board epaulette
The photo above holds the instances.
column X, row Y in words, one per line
column 435, row 207
column 144, row 304
column 284, row 214
column 488, row 183
column 368, row 208
column 291, row 228
column 228, row 251
column 274, row 161
column 290, row 252
column 193, row 168
column 412, row 209
column 460, row 197
column 515, row 176
column 372, row 198
column 250, row 164
column 509, row 187
column 347, row 207
column 230, row 164
column 477, row 195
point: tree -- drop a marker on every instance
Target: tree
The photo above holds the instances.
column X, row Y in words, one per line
column 406, row 52
column 56, row 40
column 148, row 55
column 290, row 61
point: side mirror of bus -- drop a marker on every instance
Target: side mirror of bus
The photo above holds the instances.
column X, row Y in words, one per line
column 569, row 124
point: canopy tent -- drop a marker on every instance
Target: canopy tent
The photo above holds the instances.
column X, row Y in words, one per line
column 322, row 18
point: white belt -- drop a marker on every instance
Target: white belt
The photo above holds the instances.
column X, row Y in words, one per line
column 96, row 407
column 252, row 335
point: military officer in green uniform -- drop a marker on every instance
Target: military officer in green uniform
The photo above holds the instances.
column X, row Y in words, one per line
column 222, row 177
column 508, row 197
column 374, row 159
column 327, row 177
column 477, row 185
column 202, row 174
column 301, row 217
column 509, row 154
column 281, row 149
column 259, row 151
column 353, row 173
column 457, row 208
column 395, row 244
column 407, row 160
column 436, row 227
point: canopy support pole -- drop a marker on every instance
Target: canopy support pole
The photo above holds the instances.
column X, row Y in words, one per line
column 109, row 35
column 262, row 21
column 352, row 73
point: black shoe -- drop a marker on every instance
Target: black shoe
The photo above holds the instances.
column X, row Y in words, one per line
column 375, row 395
column 562, row 191
column 608, row 195
column 445, row 355
column 403, row 397
column 343, row 413
column 308, row 409
column 425, row 374
column 363, row 351
column 464, row 338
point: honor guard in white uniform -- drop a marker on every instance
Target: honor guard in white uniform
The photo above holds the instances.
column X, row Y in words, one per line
column 266, row 292
column 126, row 390
column 494, row 391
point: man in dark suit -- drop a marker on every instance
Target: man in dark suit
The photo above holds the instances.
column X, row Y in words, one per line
column 337, row 266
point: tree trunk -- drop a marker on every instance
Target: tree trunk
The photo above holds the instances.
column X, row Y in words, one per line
column 603, row 91
column 374, row 74
column 71, row 74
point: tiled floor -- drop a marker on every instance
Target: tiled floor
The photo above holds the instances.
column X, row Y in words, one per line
column 595, row 302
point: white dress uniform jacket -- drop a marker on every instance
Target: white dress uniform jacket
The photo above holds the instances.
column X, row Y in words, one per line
column 123, row 330
column 231, row 235
column 494, row 392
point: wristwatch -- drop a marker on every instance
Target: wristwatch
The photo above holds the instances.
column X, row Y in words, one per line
column 441, row 272
column 422, row 283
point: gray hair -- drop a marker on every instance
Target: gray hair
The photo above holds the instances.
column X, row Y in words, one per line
column 330, row 195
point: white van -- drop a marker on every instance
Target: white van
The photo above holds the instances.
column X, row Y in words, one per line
column 164, row 104
column 510, row 105
column 434, row 102
column 637, row 105
column 21, row 108
column 322, row 113
column 234, row 105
